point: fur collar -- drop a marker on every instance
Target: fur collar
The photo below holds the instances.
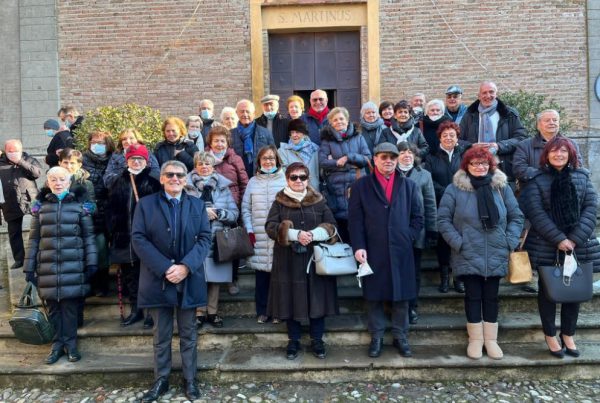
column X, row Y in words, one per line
column 329, row 133
column 77, row 193
column 312, row 197
column 461, row 180
column 502, row 109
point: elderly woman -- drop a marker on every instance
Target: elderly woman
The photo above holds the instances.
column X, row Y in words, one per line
column 193, row 124
column 298, row 218
column 300, row 148
column 228, row 118
column 434, row 116
column 260, row 194
column 480, row 219
column 117, row 163
column 295, row 107
column 404, row 128
column 386, row 111
column 222, row 210
column 122, row 201
column 561, row 204
column 443, row 165
column 175, row 146
column 61, row 256
column 95, row 162
column 409, row 167
column 372, row 127
column 342, row 153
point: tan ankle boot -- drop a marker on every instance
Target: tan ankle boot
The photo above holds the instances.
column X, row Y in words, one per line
column 490, row 337
column 475, row 331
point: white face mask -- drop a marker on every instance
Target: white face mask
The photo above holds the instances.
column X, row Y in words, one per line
column 134, row 171
column 14, row 156
column 435, row 118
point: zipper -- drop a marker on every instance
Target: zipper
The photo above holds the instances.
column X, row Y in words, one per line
column 486, row 254
column 58, row 237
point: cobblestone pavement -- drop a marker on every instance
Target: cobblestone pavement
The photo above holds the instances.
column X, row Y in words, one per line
column 526, row 391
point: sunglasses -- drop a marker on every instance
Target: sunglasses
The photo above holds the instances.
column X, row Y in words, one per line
column 302, row 178
column 179, row 175
column 475, row 164
column 318, row 99
column 385, row 157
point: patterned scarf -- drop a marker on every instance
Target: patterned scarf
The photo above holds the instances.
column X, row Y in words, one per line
column 246, row 133
column 305, row 149
column 486, row 128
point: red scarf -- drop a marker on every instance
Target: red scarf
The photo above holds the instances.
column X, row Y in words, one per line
column 320, row 116
column 386, row 184
column 387, row 122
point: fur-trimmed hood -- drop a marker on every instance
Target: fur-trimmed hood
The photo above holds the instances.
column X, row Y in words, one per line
column 312, row 197
column 330, row 134
column 503, row 109
column 461, row 180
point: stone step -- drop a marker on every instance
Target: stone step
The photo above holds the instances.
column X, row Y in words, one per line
column 343, row 364
column 341, row 330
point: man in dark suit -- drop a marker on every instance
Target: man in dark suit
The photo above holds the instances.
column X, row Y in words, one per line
column 172, row 272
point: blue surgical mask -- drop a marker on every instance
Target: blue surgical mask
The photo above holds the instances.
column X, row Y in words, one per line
column 98, row 149
column 194, row 134
column 268, row 171
column 49, row 132
column 271, row 115
column 205, row 114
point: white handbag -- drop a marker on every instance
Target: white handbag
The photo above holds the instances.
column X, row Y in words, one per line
column 333, row 260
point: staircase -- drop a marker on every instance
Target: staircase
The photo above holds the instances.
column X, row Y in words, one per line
column 244, row 350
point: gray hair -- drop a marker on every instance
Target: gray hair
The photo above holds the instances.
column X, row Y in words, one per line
column 58, row 170
column 227, row 109
column 194, row 119
column 246, row 101
column 16, row 142
column 204, row 156
column 369, row 106
column 173, row 163
column 538, row 116
column 438, row 102
column 336, row 110
column 208, row 101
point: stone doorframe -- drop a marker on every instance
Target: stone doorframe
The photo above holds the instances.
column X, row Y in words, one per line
column 296, row 16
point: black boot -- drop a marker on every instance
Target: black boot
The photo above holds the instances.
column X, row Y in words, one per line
column 459, row 286
column 148, row 321
column 135, row 316
column 444, row 279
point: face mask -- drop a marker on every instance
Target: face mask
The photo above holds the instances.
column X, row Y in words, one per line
column 49, row 132
column 405, row 168
column 268, row 171
column 14, row 157
column 194, row 134
column 270, row 115
column 205, row 114
column 98, row 149
column 62, row 195
column 68, row 123
column 435, row 118
column 134, row 171
column 417, row 110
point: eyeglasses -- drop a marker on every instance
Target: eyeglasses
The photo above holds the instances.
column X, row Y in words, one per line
column 179, row 175
column 205, row 164
column 267, row 158
column 317, row 99
column 138, row 159
column 386, row 157
column 302, row 178
column 452, row 95
column 476, row 164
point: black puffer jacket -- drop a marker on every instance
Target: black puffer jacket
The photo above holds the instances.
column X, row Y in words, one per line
column 96, row 165
column 443, row 169
column 61, row 247
column 414, row 135
column 165, row 151
column 544, row 235
column 18, row 185
column 280, row 128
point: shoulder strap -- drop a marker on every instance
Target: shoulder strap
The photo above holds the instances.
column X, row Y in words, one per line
column 134, row 188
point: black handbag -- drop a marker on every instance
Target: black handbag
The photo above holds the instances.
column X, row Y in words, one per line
column 564, row 290
column 29, row 321
column 232, row 244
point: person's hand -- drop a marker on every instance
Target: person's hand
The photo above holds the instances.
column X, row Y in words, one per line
column 360, row 255
column 177, row 273
column 304, row 238
column 566, row 245
column 342, row 161
column 252, row 238
column 212, row 213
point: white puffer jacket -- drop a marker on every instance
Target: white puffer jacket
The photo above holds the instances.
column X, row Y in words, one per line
column 258, row 198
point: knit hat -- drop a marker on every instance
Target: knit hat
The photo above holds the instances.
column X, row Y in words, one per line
column 297, row 125
column 51, row 124
column 137, row 150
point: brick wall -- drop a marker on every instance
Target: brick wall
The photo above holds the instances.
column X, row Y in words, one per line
column 536, row 45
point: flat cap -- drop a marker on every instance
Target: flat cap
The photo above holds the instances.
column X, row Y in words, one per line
column 386, row 148
column 454, row 89
column 269, row 98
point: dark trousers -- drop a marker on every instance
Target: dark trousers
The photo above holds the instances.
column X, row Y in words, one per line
column 316, row 328
column 15, row 238
column 342, row 227
column 568, row 314
column 130, row 274
column 376, row 319
column 163, row 334
column 481, row 298
column 63, row 316
column 261, row 291
column 443, row 252
column 413, row 303
column 101, row 279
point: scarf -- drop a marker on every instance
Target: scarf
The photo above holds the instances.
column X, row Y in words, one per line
column 376, row 125
column 564, row 203
column 386, row 184
column 246, row 135
column 320, row 116
column 305, row 149
column 205, row 184
column 387, row 122
column 402, row 131
column 486, row 207
column 486, row 128
column 218, row 156
column 299, row 196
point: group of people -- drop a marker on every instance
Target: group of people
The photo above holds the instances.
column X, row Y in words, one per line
column 407, row 176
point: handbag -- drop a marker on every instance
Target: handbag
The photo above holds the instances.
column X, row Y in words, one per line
column 29, row 321
column 232, row 244
column 561, row 289
column 215, row 272
column 333, row 260
column 519, row 266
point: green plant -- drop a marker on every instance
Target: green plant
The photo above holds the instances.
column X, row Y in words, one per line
column 529, row 104
column 115, row 119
